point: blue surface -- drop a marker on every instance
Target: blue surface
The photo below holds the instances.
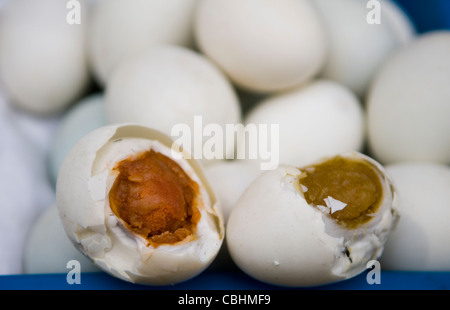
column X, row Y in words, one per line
column 427, row 15
column 218, row 280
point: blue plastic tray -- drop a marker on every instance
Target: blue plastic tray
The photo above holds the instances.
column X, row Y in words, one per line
column 233, row 280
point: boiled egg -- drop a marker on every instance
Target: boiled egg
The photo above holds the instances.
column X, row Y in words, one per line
column 322, row 118
column 262, row 45
column 313, row 225
column 358, row 46
column 136, row 209
column 230, row 179
column 48, row 249
column 84, row 116
column 420, row 241
column 409, row 103
column 43, row 59
column 169, row 86
column 119, row 29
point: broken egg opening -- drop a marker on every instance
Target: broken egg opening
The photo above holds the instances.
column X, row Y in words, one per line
column 348, row 189
column 136, row 210
column 155, row 198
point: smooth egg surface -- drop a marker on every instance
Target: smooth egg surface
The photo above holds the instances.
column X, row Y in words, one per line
column 420, row 241
column 119, row 29
column 409, row 103
column 43, row 60
column 262, row 46
column 357, row 47
column 48, row 236
column 83, row 117
column 230, row 179
column 168, row 87
column 320, row 119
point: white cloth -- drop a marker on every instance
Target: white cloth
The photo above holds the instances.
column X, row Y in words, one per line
column 25, row 190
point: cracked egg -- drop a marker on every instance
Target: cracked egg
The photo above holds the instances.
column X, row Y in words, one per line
column 136, row 209
column 313, row 225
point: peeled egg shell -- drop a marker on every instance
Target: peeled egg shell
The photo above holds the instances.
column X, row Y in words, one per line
column 83, row 117
column 84, row 181
column 320, row 119
column 263, row 46
column 420, row 241
column 357, row 48
column 229, row 180
column 48, row 249
column 121, row 28
column 43, row 63
column 276, row 237
column 409, row 103
column 170, row 85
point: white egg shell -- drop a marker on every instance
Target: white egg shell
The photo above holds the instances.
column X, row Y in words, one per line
column 120, row 28
column 320, row 119
column 84, row 181
column 83, row 117
column 168, row 86
column 399, row 21
column 48, row 249
column 357, row 48
column 262, row 46
column 276, row 237
column 43, row 62
column 409, row 103
column 230, row 179
column 420, row 241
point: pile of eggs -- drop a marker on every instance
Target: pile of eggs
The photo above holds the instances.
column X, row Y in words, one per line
column 91, row 91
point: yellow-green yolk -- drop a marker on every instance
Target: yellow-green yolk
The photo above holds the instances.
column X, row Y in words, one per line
column 350, row 189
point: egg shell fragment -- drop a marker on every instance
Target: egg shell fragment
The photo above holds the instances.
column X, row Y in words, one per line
column 276, row 237
column 82, row 190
